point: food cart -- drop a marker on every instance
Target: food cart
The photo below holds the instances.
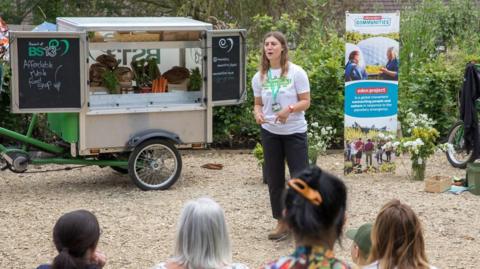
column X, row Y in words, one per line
column 123, row 92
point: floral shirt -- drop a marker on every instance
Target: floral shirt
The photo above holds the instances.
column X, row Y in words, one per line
column 308, row 258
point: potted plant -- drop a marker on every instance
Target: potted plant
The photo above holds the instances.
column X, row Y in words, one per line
column 258, row 154
column 195, row 82
column 110, row 81
column 419, row 142
column 319, row 138
column 145, row 71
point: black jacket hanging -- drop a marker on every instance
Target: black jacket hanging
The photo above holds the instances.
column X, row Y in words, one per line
column 468, row 113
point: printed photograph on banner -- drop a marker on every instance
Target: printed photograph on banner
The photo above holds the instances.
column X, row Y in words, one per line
column 371, row 91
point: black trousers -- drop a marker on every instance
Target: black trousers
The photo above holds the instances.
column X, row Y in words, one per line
column 277, row 148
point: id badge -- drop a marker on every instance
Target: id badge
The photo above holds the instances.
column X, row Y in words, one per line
column 276, row 107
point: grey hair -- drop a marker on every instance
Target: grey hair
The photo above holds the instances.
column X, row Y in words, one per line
column 202, row 240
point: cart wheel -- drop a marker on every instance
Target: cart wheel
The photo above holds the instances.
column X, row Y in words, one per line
column 119, row 169
column 155, row 165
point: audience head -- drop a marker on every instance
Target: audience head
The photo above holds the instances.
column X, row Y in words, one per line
column 315, row 206
column 361, row 243
column 202, row 237
column 397, row 238
column 75, row 236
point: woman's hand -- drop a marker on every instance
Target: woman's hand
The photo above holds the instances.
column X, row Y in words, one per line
column 282, row 115
column 259, row 117
column 257, row 111
column 383, row 69
column 99, row 259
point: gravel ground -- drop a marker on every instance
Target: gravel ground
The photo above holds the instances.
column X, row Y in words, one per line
column 138, row 227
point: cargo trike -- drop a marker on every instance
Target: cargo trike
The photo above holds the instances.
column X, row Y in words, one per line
column 122, row 92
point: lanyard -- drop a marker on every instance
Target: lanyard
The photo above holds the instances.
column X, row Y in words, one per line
column 273, row 85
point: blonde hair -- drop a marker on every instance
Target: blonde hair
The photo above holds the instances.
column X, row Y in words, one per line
column 265, row 63
column 397, row 238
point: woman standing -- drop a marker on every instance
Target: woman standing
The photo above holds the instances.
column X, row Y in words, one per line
column 282, row 94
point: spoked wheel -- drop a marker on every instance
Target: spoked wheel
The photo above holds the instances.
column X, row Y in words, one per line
column 155, row 165
column 458, row 155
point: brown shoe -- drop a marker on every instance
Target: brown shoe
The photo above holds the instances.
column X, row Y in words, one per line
column 280, row 233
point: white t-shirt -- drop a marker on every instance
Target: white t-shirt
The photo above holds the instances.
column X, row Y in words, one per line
column 375, row 266
column 294, row 83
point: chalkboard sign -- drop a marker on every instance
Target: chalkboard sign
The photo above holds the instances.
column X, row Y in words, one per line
column 226, row 68
column 49, row 73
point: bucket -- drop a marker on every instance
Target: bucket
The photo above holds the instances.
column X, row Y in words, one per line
column 473, row 178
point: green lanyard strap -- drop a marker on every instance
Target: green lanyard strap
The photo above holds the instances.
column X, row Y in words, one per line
column 273, row 85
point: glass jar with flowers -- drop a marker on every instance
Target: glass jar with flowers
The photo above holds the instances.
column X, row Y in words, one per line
column 419, row 141
column 319, row 139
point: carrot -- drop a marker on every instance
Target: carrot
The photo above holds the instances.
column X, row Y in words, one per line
column 155, row 87
column 163, row 84
column 160, row 84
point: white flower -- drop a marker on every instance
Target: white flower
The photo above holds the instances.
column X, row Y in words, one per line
column 315, row 124
column 419, row 142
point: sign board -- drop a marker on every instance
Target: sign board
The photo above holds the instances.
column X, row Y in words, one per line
column 48, row 72
column 226, row 64
column 226, row 68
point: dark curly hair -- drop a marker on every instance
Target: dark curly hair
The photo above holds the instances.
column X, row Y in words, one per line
column 317, row 222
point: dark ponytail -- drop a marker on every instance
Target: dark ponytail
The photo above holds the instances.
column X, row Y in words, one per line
column 73, row 235
column 65, row 260
column 308, row 220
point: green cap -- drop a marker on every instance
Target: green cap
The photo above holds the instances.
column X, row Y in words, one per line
column 361, row 237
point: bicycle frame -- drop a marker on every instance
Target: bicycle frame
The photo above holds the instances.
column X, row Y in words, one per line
column 62, row 157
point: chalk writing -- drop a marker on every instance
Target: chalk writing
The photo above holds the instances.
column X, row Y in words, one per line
column 38, row 77
column 226, row 73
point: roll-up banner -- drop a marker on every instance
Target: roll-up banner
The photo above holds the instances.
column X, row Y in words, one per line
column 371, row 90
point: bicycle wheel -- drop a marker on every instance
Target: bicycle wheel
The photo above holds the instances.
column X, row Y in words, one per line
column 155, row 165
column 458, row 156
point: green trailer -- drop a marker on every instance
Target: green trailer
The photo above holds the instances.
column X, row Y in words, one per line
column 136, row 131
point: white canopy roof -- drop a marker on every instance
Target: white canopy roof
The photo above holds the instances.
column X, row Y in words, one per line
column 131, row 24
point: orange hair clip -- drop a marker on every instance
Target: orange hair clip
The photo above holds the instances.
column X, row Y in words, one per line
column 313, row 196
